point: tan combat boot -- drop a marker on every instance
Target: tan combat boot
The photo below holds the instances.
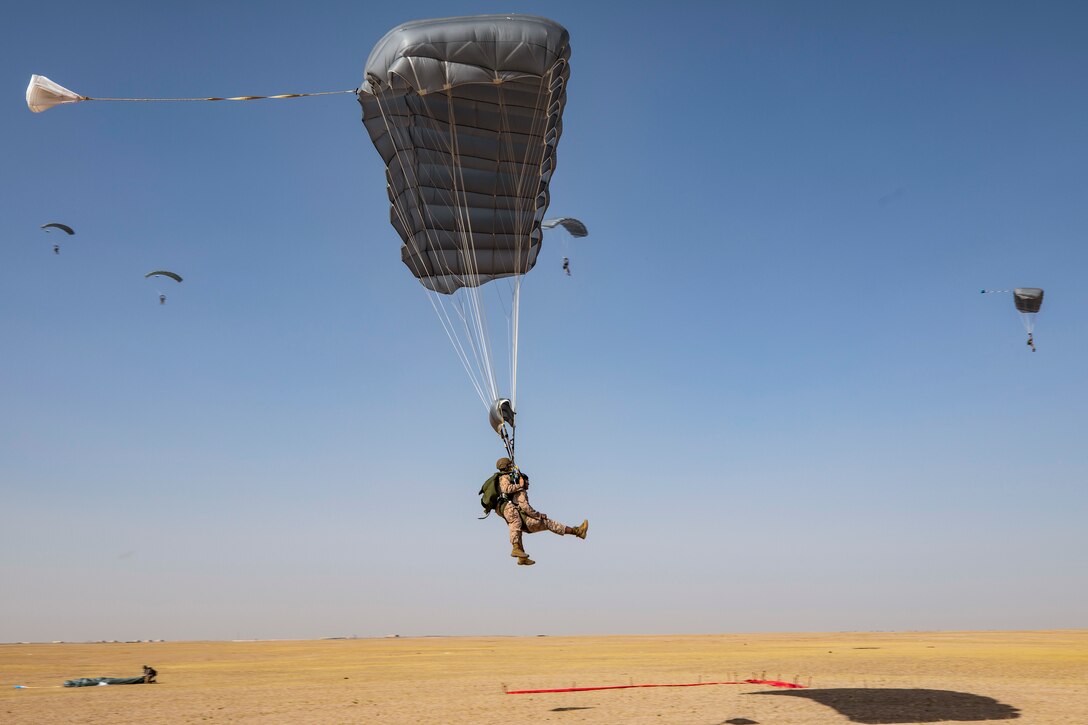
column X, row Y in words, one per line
column 517, row 552
column 525, row 561
column 580, row 530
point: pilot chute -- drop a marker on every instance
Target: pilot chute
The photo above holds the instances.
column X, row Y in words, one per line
column 42, row 94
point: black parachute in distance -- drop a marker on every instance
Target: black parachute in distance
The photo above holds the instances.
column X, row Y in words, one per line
column 1028, row 302
column 57, row 225
column 1027, row 299
column 164, row 273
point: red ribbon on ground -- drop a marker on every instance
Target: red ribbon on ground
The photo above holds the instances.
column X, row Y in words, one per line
column 772, row 683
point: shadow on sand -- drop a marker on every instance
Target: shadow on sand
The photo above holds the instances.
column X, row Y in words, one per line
column 882, row 706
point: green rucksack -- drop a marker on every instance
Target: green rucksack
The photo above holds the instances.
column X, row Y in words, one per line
column 490, row 495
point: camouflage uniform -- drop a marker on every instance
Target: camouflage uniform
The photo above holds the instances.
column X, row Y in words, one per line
column 520, row 516
column 517, row 504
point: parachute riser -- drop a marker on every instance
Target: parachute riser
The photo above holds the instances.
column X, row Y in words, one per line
column 501, row 417
column 508, row 441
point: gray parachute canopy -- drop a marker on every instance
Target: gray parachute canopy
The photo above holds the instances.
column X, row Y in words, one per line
column 467, row 113
column 1028, row 299
column 573, row 226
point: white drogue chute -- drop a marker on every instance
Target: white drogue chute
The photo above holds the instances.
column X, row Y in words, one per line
column 42, row 94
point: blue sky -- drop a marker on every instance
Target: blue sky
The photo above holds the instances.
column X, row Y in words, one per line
column 771, row 383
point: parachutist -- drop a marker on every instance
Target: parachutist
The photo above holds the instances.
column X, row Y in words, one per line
column 566, row 266
column 56, row 249
column 513, row 505
column 1031, row 342
column 162, row 299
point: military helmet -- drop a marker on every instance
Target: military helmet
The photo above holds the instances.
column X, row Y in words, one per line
column 503, row 463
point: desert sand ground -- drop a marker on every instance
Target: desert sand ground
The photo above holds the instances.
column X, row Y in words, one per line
column 1037, row 678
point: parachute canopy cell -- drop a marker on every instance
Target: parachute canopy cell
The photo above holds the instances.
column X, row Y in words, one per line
column 573, row 226
column 467, row 113
column 42, row 94
column 56, row 225
column 1028, row 299
column 164, row 273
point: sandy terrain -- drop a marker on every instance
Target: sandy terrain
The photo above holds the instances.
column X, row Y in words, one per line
column 1037, row 678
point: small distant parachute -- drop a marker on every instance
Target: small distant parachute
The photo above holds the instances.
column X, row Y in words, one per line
column 1028, row 302
column 56, row 225
column 572, row 225
column 164, row 273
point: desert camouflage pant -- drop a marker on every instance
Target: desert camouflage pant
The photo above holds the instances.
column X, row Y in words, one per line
column 532, row 524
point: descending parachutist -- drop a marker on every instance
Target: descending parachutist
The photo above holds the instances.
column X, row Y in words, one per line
column 512, row 503
column 1031, row 342
column 163, row 273
column 56, row 249
column 566, row 266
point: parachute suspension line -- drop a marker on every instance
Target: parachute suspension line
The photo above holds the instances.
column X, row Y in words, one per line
column 517, row 172
column 437, row 302
column 468, row 250
column 514, row 285
column 447, row 324
column 486, row 377
column 526, row 215
column 473, row 319
column 516, row 316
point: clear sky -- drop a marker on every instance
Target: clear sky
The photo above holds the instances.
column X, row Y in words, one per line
column 770, row 383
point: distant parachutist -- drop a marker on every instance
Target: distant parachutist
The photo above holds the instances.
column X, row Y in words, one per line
column 566, row 265
column 1028, row 302
column 57, row 225
column 163, row 273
